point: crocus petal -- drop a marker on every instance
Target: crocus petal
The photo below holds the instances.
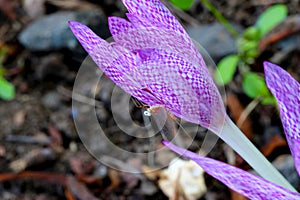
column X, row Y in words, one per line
column 152, row 37
column 137, row 21
column 287, row 92
column 158, row 20
column 100, row 50
column 124, row 73
column 155, row 12
column 150, row 19
column 196, row 93
column 247, row 184
column 115, row 61
column 119, row 25
column 187, row 91
column 157, row 63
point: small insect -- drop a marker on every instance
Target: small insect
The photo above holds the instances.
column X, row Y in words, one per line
column 147, row 113
column 161, row 117
column 140, row 104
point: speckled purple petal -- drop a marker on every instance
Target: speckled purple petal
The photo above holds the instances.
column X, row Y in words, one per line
column 247, row 184
column 287, row 92
column 115, row 61
column 138, row 21
column 155, row 12
column 151, row 37
column 186, row 91
column 119, row 25
column 158, row 64
column 153, row 76
column 158, row 21
column 124, row 73
column 96, row 47
column 208, row 106
column 194, row 105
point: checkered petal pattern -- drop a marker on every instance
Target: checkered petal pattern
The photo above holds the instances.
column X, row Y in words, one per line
column 155, row 13
column 249, row 185
column 153, row 59
column 287, row 92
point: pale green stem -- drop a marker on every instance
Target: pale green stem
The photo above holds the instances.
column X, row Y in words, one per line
column 233, row 136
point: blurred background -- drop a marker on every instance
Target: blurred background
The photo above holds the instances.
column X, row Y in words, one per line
column 41, row 155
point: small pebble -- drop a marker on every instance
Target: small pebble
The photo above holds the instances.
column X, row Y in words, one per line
column 52, row 31
column 215, row 39
column 73, row 146
column 100, row 171
column 52, row 100
column 148, row 188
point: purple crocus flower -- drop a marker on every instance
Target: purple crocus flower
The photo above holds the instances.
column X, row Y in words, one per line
column 153, row 59
column 287, row 92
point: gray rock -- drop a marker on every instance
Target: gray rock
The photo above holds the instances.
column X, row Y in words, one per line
column 100, row 171
column 52, row 100
column 148, row 188
column 215, row 39
column 52, row 31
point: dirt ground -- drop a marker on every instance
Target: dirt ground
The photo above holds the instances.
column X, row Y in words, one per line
column 41, row 154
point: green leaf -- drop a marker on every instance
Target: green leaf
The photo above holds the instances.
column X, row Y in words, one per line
column 248, row 45
column 252, row 33
column 2, row 71
column 182, row 4
column 254, row 85
column 7, row 90
column 252, row 53
column 226, row 69
column 269, row 100
column 270, row 18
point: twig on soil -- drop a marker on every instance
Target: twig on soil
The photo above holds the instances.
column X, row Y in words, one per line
column 236, row 110
column 79, row 97
column 73, row 188
column 28, row 139
column 250, row 107
column 275, row 142
column 34, row 157
column 55, row 135
column 48, row 177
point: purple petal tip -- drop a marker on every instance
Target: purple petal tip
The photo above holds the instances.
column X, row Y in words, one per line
column 268, row 66
column 165, row 143
column 286, row 90
column 73, row 24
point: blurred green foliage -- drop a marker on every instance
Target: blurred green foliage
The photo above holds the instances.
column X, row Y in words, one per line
column 7, row 90
column 253, row 84
column 182, row 4
column 247, row 46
